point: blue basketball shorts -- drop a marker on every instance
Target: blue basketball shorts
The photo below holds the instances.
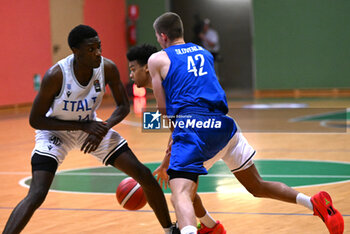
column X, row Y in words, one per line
column 197, row 139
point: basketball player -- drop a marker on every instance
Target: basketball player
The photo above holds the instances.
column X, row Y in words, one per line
column 138, row 57
column 186, row 89
column 64, row 115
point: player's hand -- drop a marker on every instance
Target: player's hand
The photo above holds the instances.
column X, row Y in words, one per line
column 160, row 173
column 97, row 128
column 161, row 176
column 91, row 143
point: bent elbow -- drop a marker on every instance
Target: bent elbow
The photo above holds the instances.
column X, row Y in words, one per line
column 33, row 123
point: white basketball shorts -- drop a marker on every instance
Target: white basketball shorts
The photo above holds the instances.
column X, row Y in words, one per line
column 56, row 144
column 237, row 154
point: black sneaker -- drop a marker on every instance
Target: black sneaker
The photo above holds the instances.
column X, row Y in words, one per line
column 175, row 229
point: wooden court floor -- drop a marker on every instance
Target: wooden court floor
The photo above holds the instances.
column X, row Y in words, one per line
column 239, row 211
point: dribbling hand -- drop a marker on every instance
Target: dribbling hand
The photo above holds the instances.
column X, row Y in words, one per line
column 161, row 176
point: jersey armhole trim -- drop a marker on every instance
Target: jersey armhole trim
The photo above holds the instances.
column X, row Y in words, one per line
column 103, row 74
column 170, row 68
column 63, row 82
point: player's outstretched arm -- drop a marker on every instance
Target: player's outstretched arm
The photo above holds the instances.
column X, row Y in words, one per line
column 112, row 78
column 156, row 66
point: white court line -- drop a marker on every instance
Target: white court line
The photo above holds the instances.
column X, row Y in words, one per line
column 21, row 182
column 307, row 117
column 131, row 123
column 209, row 175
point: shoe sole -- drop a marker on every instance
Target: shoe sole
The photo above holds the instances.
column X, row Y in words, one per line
column 335, row 220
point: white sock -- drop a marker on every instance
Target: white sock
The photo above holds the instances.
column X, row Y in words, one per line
column 189, row 230
column 167, row 230
column 304, row 200
column 207, row 220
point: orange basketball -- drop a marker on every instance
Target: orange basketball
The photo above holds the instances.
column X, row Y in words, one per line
column 130, row 194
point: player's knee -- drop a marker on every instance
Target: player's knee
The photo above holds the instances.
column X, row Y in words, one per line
column 257, row 190
column 144, row 176
column 180, row 198
column 175, row 196
column 37, row 197
column 174, row 199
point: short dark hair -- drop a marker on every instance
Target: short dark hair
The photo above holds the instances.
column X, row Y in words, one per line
column 79, row 34
column 170, row 24
column 141, row 53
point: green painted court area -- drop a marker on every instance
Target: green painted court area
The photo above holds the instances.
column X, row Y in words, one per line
column 291, row 172
column 336, row 116
column 332, row 120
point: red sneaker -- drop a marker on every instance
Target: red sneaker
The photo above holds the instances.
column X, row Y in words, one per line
column 217, row 229
column 323, row 208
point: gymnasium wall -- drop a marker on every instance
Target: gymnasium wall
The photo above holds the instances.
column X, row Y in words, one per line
column 232, row 20
column 25, row 48
column 64, row 15
column 109, row 19
column 34, row 37
column 148, row 11
column 301, row 44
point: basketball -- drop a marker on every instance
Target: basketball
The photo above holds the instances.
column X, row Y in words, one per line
column 130, row 194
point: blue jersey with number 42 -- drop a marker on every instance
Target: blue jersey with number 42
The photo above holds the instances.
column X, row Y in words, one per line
column 191, row 84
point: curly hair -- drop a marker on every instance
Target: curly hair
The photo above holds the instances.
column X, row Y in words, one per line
column 141, row 53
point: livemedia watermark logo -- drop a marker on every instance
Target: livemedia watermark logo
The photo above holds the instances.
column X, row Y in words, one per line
column 154, row 120
column 262, row 118
column 151, row 120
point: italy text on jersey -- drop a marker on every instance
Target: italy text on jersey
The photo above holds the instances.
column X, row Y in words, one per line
column 80, row 105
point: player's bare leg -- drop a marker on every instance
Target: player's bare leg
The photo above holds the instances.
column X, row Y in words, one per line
column 198, row 206
column 183, row 193
column 207, row 223
column 128, row 163
column 320, row 203
column 38, row 190
column 258, row 187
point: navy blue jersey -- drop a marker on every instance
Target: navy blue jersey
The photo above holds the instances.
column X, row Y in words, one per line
column 191, row 85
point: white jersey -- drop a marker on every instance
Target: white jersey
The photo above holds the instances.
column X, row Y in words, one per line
column 77, row 102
